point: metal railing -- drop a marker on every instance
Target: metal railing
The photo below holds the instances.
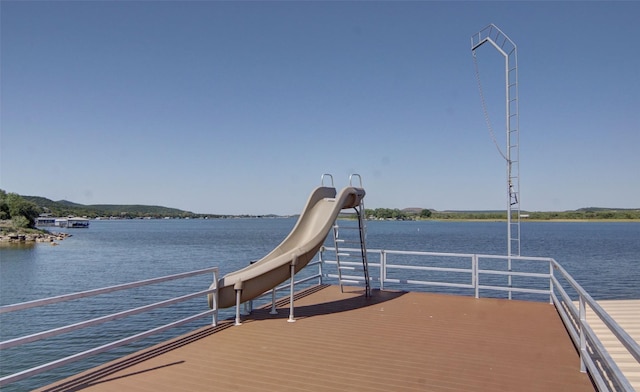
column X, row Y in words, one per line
column 100, row 320
column 466, row 272
column 476, row 273
column 593, row 355
column 459, row 273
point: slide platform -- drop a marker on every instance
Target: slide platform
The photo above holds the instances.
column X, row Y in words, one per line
column 298, row 248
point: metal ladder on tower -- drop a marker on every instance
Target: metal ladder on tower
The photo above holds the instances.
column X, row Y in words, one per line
column 500, row 41
column 345, row 238
column 513, row 161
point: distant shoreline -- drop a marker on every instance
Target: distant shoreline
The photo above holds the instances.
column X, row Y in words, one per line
column 537, row 220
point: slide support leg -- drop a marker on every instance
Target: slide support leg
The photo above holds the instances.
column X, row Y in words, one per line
column 293, row 272
column 215, row 298
column 238, row 307
column 273, row 302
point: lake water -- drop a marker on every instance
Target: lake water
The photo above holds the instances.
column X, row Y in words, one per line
column 603, row 257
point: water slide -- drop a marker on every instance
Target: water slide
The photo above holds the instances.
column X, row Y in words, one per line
column 298, row 248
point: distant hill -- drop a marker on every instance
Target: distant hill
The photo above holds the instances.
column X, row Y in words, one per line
column 43, row 201
column 598, row 209
column 66, row 208
column 68, row 203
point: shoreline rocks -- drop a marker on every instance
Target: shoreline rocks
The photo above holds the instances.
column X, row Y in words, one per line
column 33, row 237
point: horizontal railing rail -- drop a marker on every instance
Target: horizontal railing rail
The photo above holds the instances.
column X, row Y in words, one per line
column 103, row 290
column 594, row 357
column 5, row 380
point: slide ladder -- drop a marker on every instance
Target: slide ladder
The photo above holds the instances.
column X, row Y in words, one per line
column 349, row 236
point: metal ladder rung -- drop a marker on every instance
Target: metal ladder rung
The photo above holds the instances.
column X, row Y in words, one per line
column 347, row 268
column 343, row 241
column 343, row 254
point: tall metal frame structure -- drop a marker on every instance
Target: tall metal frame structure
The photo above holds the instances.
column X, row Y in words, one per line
column 508, row 49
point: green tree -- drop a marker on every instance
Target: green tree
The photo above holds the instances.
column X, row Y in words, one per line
column 19, row 207
column 4, row 207
column 20, row 222
column 425, row 213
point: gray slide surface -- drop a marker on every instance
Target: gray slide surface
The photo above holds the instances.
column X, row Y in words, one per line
column 299, row 247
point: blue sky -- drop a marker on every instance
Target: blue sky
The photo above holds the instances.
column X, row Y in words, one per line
column 240, row 107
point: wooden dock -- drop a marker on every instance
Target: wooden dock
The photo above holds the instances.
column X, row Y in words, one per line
column 394, row 341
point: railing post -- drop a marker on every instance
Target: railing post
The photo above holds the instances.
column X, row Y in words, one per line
column 583, row 342
column 320, row 265
column 383, row 268
column 476, row 274
column 551, row 289
column 509, row 267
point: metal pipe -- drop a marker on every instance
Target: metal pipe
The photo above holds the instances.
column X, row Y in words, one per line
column 273, row 302
column 293, row 272
column 238, row 292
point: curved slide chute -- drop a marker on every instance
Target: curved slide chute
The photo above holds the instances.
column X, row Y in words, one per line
column 298, row 248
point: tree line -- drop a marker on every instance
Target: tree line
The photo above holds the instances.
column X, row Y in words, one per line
column 23, row 211
column 586, row 213
column 396, row 214
column 581, row 214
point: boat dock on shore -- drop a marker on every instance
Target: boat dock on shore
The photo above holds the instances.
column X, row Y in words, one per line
column 70, row 222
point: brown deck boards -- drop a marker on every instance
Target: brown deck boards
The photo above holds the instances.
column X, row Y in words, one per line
column 394, row 341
